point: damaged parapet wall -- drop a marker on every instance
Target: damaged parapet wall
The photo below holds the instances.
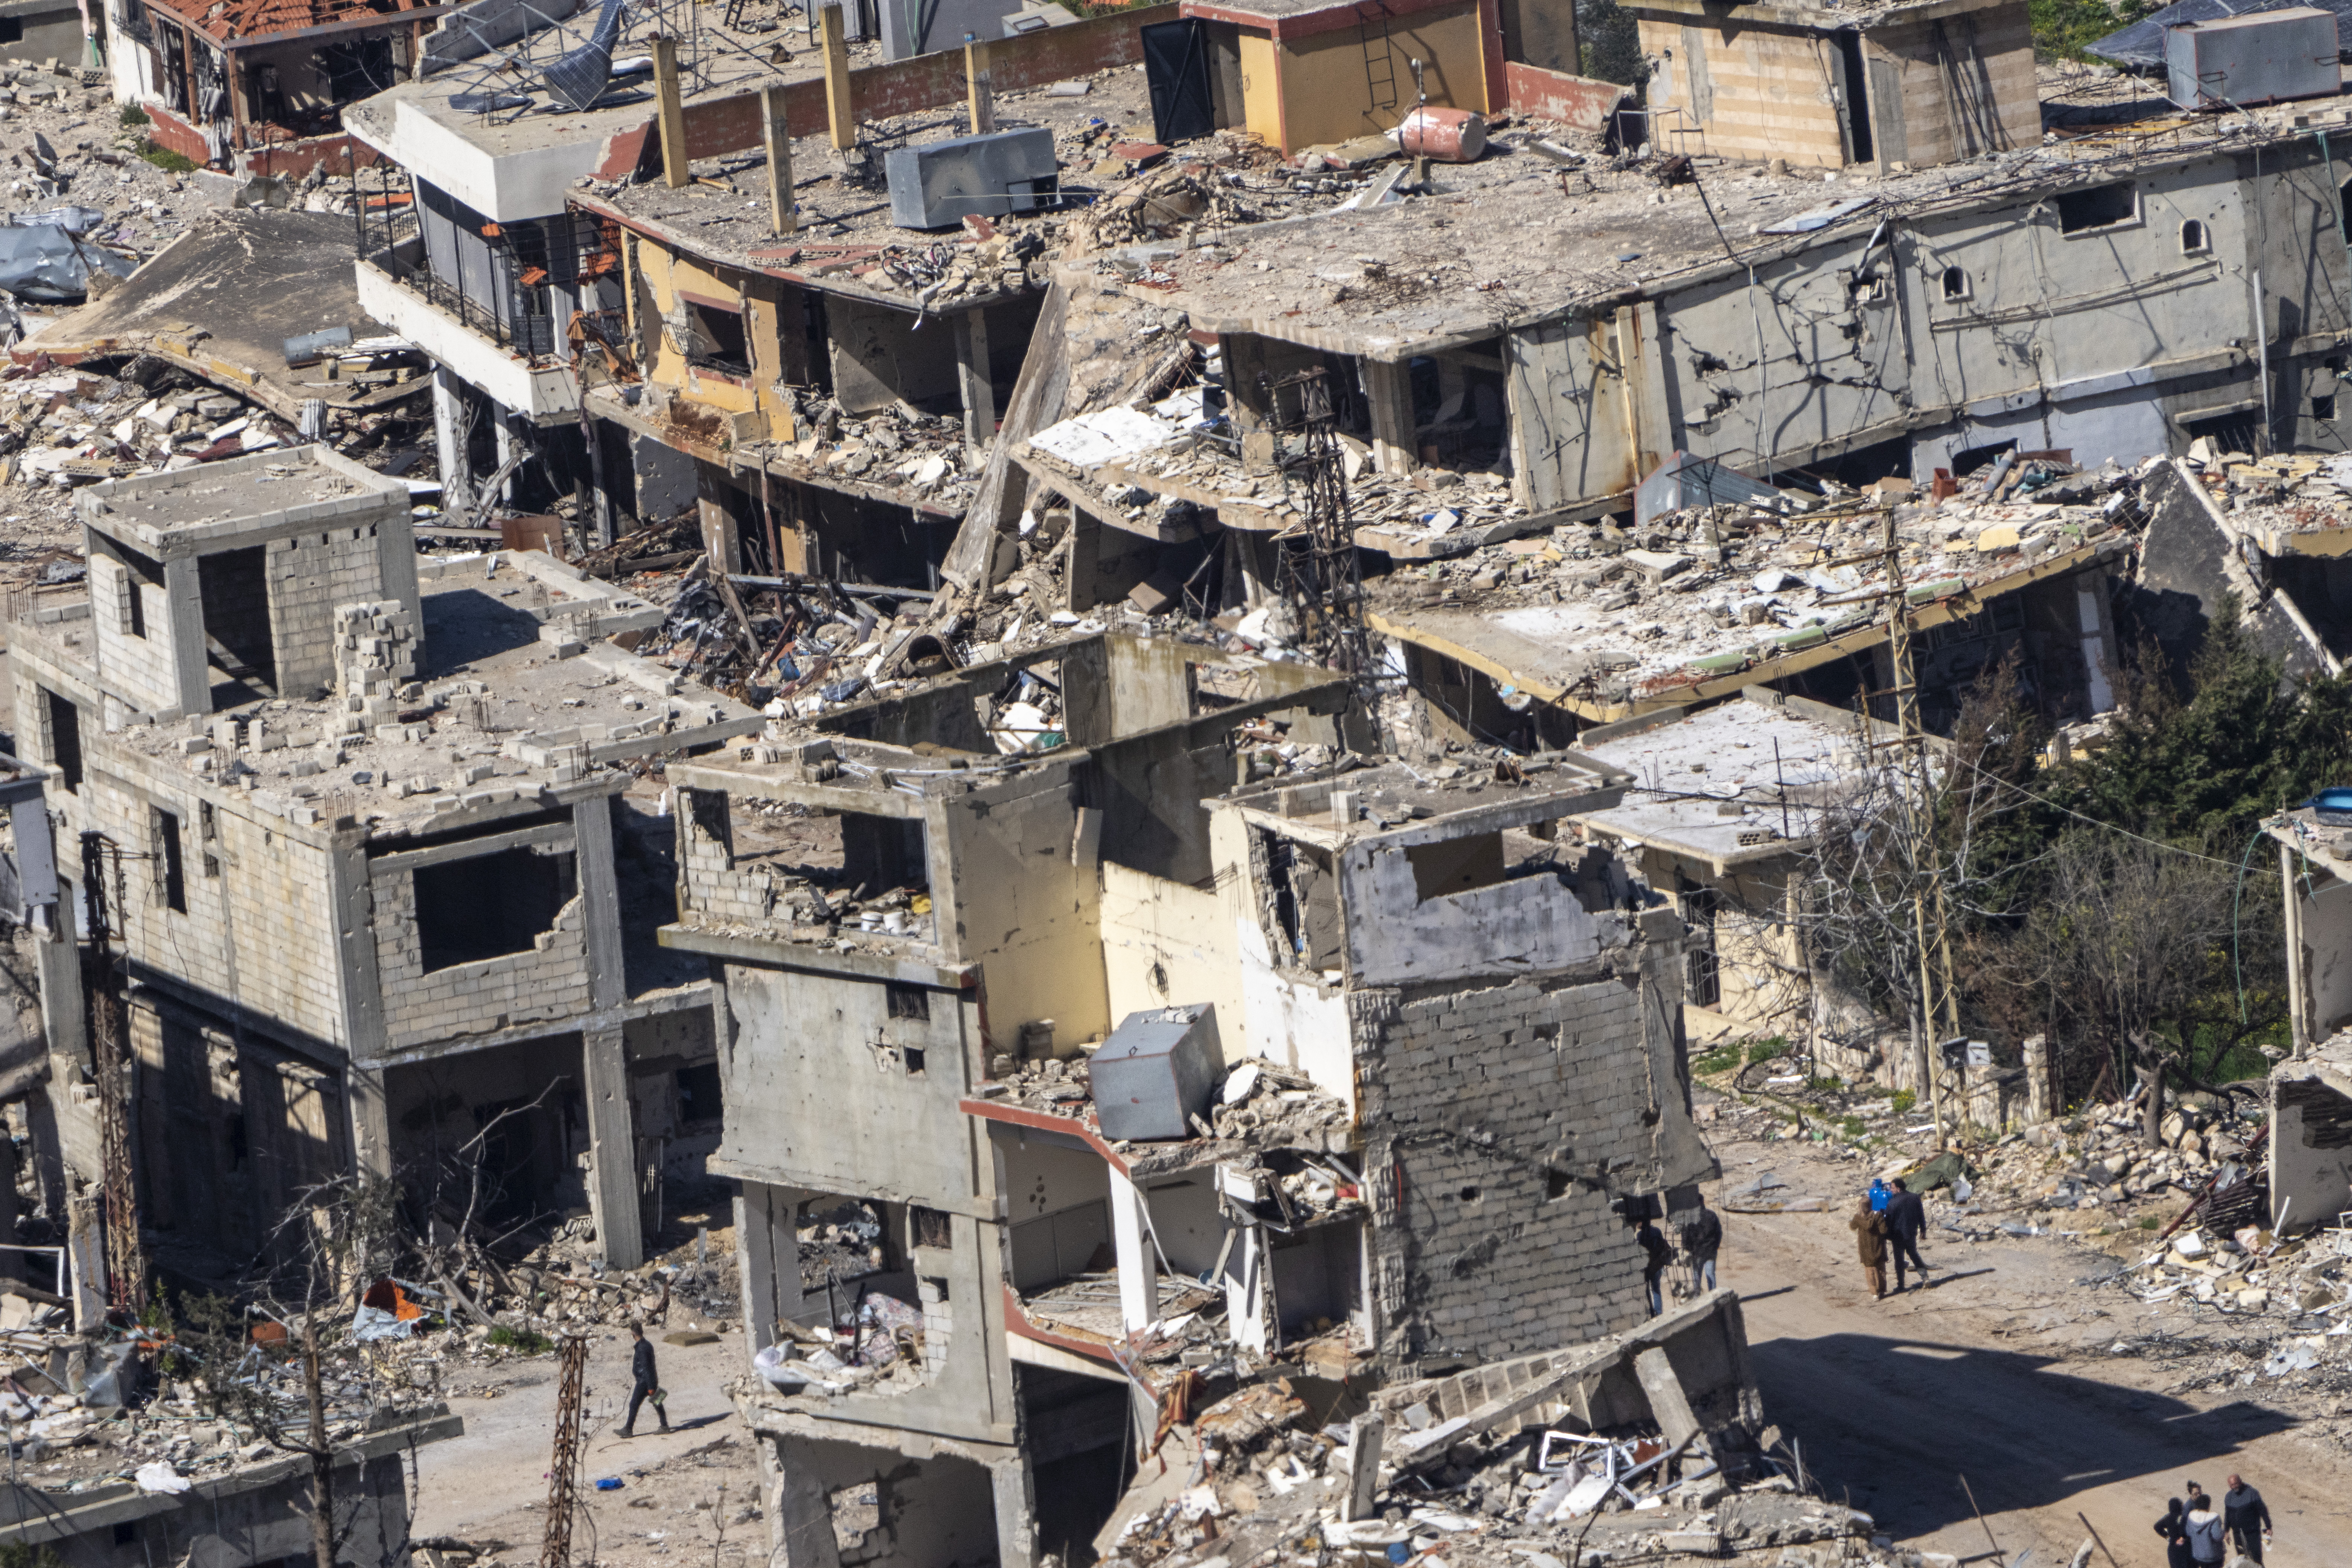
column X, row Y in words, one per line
column 2311, row 1136
column 1513, row 1009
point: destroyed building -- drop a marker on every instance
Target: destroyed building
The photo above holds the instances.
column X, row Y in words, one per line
column 1890, row 85
column 1150, row 980
column 259, row 87
column 230, row 1516
column 370, row 833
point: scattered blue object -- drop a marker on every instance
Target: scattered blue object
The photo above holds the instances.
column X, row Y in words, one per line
column 1399, row 1551
column 2333, row 806
column 609, row 1484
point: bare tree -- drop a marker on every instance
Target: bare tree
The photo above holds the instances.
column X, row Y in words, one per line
column 324, row 1252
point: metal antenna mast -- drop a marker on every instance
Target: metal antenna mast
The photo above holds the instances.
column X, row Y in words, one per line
column 1320, row 577
column 563, row 1471
column 126, row 1258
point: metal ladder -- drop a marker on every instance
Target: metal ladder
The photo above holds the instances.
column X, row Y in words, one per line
column 1380, row 67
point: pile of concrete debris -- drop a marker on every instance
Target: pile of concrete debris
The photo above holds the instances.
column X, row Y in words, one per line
column 65, row 426
column 2206, row 1148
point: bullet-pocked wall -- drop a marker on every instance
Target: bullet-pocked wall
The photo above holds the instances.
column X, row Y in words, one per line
column 1502, row 1123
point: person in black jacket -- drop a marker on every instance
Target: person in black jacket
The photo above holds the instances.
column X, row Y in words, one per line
column 1702, row 1239
column 2174, row 1528
column 1907, row 1216
column 2246, row 1516
column 1654, row 1244
column 647, row 1385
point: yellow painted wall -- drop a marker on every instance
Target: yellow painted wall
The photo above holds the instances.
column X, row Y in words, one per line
column 1186, row 933
column 666, row 273
column 1261, row 88
column 1326, row 91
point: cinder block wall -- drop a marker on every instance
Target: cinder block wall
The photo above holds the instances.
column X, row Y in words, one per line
column 310, row 575
column 708, row 884
column 139, row 668
column 259, row 929
column 1497, row 1119
column 549, row 981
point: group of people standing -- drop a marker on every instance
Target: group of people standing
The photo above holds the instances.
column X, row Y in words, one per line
column 1889, row 1220
column 1702, row 1238
column 2196, row 1533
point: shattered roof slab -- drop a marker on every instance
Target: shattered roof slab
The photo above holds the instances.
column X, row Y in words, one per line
column 221, row 301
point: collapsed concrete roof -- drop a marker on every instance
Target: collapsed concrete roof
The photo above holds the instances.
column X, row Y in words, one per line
column 221, row 301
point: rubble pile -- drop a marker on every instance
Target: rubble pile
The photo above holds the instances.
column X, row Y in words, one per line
column 1266, row 1482
column 902, row 450
column 1259, row 1104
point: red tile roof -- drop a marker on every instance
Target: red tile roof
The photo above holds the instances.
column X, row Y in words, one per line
column 225, row 20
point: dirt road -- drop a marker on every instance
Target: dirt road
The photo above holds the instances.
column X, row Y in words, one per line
column 2000, row 1372
column 491, row 1486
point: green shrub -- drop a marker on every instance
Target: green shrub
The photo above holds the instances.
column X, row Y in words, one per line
column 522, row 1341
column 1723, row 1059
column 2147, row 1222
column 1904, row 1100
column 171, row 163
column 1855, row 1127
column 134, row 115
column 1765, row 1050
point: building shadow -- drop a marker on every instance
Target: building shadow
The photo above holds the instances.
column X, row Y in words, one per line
column 1890, row 1424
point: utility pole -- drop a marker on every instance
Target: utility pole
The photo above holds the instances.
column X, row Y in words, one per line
column 1919, row 823
column 564, row 1470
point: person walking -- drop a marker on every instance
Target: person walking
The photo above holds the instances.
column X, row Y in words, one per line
column 647, row 1384
column 2246, row 1517
column 1702, row 1239
column 2174, row 1529
column 1907, row 1216
column 1869, row 1227
column 2204, row 1529
column 1653, row 1246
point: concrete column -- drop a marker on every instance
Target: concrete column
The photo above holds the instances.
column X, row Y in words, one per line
column 363, row 1099
column 48, row 1145
column 2298, row 1007
column 449, row 436
column 973, row 379
column 1016, row 1511
column 1138, row 1281
column 599, row 900
column 1388, row 385
column 800, row 1520
column 768, row 1256
column 506, row 440
column 1669, row 1406
column 612, row 1147
column 191, row 666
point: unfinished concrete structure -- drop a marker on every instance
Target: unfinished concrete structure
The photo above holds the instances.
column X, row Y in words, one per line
column 1446, row 1051
column 1903, row 85
column 374, row 864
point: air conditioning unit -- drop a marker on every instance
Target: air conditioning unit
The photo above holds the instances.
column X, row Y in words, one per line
column 940, row 183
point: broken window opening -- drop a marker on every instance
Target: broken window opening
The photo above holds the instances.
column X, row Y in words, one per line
column 906, row 1001
column 930, row 1227
column 1956, row 283
column 171, row 872
column 65, row 737
column 698, row 1096
column 1557, row 1183
column 2238, row 430
column 1306, row 903
column 715, row 339
column 1456, row 864
column 833, row 856
column 2101, row 207
column 913, row 1056
column 233, row 586
column 490, row 906
column 1968, row 459
column 1703, row 970
column 1461, row 409
column 2324, row 407
column 2192, row 239
column 1853, row 101
column 139, row 572
column 357, row 68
